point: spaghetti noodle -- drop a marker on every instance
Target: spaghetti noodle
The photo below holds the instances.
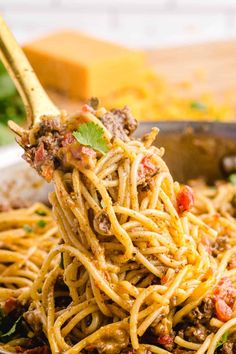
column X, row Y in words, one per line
column 145, row 265
column 26, row 237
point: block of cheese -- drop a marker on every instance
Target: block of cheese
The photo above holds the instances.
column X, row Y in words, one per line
column 81, row 66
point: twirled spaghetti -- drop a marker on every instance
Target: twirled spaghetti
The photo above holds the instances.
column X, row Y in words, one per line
column 141, row 267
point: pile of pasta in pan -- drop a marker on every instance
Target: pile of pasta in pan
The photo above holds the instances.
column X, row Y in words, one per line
column 143, row 264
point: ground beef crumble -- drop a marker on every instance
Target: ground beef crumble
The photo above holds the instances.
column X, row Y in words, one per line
column 196, row 325
column 42, row 153
column 120, row 123
column 220, row 245
column 228, row 348
column 102, row 223
column 203, row 313
column 197, row 333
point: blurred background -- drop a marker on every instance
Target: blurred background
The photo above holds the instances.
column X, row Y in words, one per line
column 189, row 47
column 136, row 23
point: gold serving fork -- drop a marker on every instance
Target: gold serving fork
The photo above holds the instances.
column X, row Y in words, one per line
column 36, row 101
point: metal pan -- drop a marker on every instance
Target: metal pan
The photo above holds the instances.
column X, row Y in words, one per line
column 196, row 149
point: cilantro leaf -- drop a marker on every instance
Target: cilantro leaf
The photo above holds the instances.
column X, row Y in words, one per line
column 232, row 179
column 12, row 330
column 41, row 212
column 199, row 106
column 27, row 228
column 41, row 223
column 90, row 134
column 223, row 340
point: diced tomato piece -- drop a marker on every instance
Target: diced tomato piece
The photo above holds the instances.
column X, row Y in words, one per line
column 225, row 291
column 80, row 151
column 88, row 151
column 147, row 164
column 40, row 154
column 165, row 339
column 223, row 311
column 185, row 199
column 82, row 155
column 146, row 167
column 164, row 279
column 10, row 305
column 224, row 284
column 86, row 108
column 68, row 139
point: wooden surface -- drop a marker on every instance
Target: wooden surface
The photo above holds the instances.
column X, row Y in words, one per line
column 209, row 67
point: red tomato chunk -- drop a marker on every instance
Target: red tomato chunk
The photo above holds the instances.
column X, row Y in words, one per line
column 185, row 199
column 165, row 339
column 223, row 311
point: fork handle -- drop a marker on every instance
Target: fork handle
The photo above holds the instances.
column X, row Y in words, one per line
column 36, row 101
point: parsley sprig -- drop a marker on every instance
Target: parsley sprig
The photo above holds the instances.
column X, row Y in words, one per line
column 223, row 340
column 12, row 326
column 90, row 134
column 41, row 223
column 11, row 331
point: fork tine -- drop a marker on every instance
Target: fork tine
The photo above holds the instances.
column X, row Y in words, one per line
column 16, row 128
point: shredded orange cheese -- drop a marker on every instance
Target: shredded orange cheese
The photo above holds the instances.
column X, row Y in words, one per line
column 154, row 99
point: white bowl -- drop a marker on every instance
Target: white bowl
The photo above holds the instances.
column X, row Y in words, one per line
column 18, row 181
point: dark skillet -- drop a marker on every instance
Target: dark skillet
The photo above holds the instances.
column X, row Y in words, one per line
column 196, row 149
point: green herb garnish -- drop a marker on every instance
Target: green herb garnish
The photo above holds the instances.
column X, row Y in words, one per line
column 12, row 330
column 27, row 228
column 232, row 179
column 223, row 340
column 11, row 106
column 41, row 223
column 90, row 134
column 199, row 106
column 41, row 212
